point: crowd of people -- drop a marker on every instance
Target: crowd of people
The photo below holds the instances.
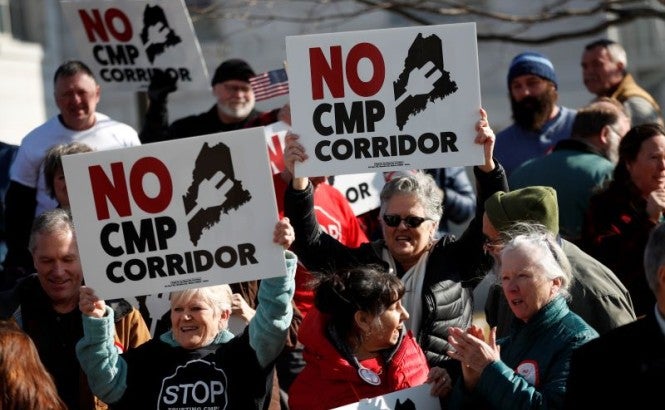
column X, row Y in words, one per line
column 566, row 215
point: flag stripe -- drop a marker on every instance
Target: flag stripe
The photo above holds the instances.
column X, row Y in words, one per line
column 270, row 84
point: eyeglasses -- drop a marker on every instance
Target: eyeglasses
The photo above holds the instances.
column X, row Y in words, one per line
column 235, row 88
column 410, row 221
column 492, row 245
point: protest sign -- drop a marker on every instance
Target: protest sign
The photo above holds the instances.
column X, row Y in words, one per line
column 390, row 99
column 124, row 41
column 408, row 399
column 275, row 135
column 172, row 215
column 361, row 190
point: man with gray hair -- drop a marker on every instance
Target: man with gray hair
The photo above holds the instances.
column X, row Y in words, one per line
column 45, row 305
column 604, row 71
column 625, row 368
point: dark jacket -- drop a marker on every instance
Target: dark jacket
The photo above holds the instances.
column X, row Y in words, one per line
column 453, row 269
column 459, row 198
column 227, row 374
column 156, row 126
column 623, row 369
column 615, row 231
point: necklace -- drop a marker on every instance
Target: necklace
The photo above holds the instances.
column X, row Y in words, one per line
column 368, row 376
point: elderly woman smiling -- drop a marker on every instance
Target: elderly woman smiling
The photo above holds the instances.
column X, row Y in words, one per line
column 529, row 367
column 198, row 363
column 438, row 273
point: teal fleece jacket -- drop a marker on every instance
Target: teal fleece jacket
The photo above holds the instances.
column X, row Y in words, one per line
column 107, row 370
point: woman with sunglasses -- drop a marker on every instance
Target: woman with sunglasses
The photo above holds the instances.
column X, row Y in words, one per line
column 439, row 275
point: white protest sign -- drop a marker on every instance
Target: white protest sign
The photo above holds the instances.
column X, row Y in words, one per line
column 361, row 190
column 414, row 398
column 380, row 100
column 123, row 41
column 275, row 135
column 172, row 215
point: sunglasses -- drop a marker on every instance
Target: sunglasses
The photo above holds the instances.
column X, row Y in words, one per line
column 410, row 221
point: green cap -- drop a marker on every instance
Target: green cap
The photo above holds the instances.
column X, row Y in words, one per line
column 531, row 204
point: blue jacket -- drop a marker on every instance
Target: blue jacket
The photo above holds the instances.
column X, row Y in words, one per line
column 515, row 145
column 534, row 363
column 233, row 371
column 459, row 198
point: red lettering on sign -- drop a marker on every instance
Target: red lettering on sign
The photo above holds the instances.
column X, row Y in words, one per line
column 357, row 53
column 276, row 155
column 115, row 192
column 114, row 20
column 151, row 165
column 332, row 72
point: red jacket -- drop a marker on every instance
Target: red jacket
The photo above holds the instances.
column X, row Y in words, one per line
column 329, row 380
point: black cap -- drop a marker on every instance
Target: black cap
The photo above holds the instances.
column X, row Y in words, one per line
column 233, row 69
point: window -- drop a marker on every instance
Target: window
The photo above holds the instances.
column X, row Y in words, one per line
column 5, row 22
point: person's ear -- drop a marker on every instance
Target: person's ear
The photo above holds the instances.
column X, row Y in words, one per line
column 363, row 321
column 556, row 284
column 604, row 135
column 224, row 316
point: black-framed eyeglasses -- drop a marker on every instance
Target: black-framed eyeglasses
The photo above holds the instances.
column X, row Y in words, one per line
column 410, row 221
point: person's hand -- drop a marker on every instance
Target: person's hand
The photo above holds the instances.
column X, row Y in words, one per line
column 240, row 308
column 440, row 380
column 284, row 234
column 476, row 331
column 656, row 204
column 284, row 114
column 90, row 304
column 294, row 152
column 486, row 137
column 473, row 352
column 161, row 84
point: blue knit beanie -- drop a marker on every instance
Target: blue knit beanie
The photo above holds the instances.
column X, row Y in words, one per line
column 532, row 63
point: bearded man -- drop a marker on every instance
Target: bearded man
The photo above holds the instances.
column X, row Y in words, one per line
column 539, row 123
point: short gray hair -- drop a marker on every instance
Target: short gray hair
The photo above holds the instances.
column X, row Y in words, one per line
column 422, row 186
column 615, row 50
column 57, row 220
column 654, row 256
column 551, row 258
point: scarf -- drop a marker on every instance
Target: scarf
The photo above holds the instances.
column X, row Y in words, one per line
column 413, row 282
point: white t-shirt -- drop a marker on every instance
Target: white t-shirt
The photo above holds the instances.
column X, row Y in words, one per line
column 28, row 167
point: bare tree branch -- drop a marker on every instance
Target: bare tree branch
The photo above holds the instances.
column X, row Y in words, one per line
column 494, row 25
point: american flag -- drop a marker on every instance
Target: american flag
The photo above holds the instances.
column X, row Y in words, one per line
column 271, row 84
